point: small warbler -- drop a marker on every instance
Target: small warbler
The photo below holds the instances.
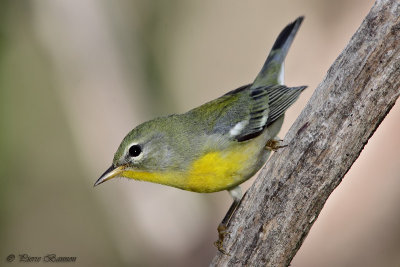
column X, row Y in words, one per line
column 218, row 145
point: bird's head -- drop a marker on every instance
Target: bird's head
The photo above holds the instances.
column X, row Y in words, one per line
column 145, row 150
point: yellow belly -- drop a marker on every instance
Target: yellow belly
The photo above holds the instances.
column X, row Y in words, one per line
column 214, row 171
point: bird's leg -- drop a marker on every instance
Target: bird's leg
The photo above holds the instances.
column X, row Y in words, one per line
column 236, row 194
column 222, row 232
column 274, row 145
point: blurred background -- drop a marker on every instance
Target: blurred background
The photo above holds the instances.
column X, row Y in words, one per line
column 76, row 76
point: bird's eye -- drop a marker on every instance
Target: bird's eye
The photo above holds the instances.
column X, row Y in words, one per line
column 135, row 151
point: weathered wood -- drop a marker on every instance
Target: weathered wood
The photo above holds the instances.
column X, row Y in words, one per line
column 358, row 91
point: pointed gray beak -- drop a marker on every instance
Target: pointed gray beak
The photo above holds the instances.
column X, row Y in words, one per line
column 109, row 174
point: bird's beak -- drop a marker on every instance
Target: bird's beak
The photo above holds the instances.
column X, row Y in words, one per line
column 109, row 174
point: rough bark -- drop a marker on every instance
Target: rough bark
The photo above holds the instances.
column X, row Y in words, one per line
column 358, row 91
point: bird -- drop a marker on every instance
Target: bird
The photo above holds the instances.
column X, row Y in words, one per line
column 218, row 145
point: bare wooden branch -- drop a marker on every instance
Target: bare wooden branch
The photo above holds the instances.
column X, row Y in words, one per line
column 358, row 91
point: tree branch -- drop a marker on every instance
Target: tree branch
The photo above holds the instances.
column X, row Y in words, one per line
column 358, row 91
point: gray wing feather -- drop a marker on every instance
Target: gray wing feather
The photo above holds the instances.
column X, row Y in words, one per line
column 267, row 104
column 280, row 99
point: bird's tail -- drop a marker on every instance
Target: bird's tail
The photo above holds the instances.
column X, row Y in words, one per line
column 273, row 70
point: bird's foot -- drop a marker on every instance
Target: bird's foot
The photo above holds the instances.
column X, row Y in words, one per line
column 222, row 232
column 274, row 145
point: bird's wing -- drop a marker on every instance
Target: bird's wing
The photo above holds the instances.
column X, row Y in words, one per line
column 248, row 115
column 264, row 106
column 243, row 114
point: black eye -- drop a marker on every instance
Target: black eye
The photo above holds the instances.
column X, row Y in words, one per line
column 135, row 151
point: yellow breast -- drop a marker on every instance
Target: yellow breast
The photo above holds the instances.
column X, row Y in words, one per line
column 216, row 171
column 212, row 172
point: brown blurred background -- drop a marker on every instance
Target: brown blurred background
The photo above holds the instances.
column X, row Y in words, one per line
column 76, row 76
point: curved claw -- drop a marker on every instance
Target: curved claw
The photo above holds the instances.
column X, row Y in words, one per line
column 219, row 244
column 274, row 145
